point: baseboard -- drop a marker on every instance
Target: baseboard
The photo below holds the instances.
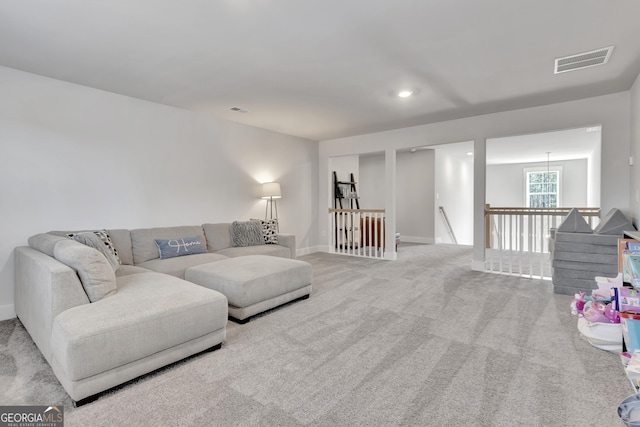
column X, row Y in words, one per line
column 478, row 266
column 415, row 239
column 7, row 312
column 307, row 251
column 324, row 248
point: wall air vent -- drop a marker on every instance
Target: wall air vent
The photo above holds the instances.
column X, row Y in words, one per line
column 583, row 60
column 238, row 110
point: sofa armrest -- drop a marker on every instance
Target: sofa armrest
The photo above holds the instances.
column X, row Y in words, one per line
column 44, row 287
column 288, row 241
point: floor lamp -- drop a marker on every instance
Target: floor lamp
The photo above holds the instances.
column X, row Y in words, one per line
column 271, row 192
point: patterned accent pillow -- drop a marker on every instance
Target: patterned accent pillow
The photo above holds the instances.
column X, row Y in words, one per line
column 269, row 230
column 106, row 239
column 101, row 241
column 246, row 233
column 171, row 248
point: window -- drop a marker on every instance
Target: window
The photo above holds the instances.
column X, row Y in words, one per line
column 542, row 188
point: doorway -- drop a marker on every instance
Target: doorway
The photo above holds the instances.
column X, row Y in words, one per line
column 531, row 183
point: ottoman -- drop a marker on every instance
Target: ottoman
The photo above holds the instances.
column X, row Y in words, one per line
column 254, row 283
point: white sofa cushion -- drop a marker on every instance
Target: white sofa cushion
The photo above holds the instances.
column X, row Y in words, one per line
column 143, row 240
column 45, row 242
column 150, row 313
column 218, row 236
column 100, row 241
column 96, row 274
column 125, row 270
column 177, row 266
column 272, row 250
column 121, row 239
column 252, row 279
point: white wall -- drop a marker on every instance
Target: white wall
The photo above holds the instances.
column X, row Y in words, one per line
column 506, row 183
column 415, row 189
column 80, row 158
column 594, row 181
column 634, row 193
column 371, row 182
column 611, row 111
column 415, row 194
column 454, row 192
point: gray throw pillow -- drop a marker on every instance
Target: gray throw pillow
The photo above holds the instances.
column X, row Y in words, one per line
column 93, row 240
column 246, row 233
column 97, row 277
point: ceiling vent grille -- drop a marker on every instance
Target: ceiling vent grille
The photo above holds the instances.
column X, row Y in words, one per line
column 238, row 110
column 583, row 60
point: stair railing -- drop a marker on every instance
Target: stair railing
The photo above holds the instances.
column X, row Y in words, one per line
column 448, row 224
column 517, row 238
column 358, row 232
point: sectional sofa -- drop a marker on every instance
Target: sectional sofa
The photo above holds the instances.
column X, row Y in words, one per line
column 100, row 323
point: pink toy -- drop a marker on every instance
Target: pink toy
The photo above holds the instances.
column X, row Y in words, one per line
column 601, row 313
column 612, row 314
column 579, row 302
column 601, row 294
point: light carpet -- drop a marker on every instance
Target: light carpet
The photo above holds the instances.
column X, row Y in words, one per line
column 421, row 341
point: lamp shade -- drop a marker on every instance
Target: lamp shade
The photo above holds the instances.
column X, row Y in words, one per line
column 271, row 190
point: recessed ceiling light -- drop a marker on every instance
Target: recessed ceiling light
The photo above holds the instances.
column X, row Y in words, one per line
column 470, row 153
column 405, row 93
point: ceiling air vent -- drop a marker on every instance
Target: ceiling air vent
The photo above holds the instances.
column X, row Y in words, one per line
column 583, row 60
column 238, row 110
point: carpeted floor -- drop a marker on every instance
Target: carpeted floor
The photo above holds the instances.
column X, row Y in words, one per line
column 421, row 341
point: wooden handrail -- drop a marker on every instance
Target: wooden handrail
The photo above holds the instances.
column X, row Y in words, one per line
column 522, row 211
column 538, row 211
column 333, row 210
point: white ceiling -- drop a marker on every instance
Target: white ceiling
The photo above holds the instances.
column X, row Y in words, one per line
column 331, row 68
column 568, row 144
column 582, row 143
